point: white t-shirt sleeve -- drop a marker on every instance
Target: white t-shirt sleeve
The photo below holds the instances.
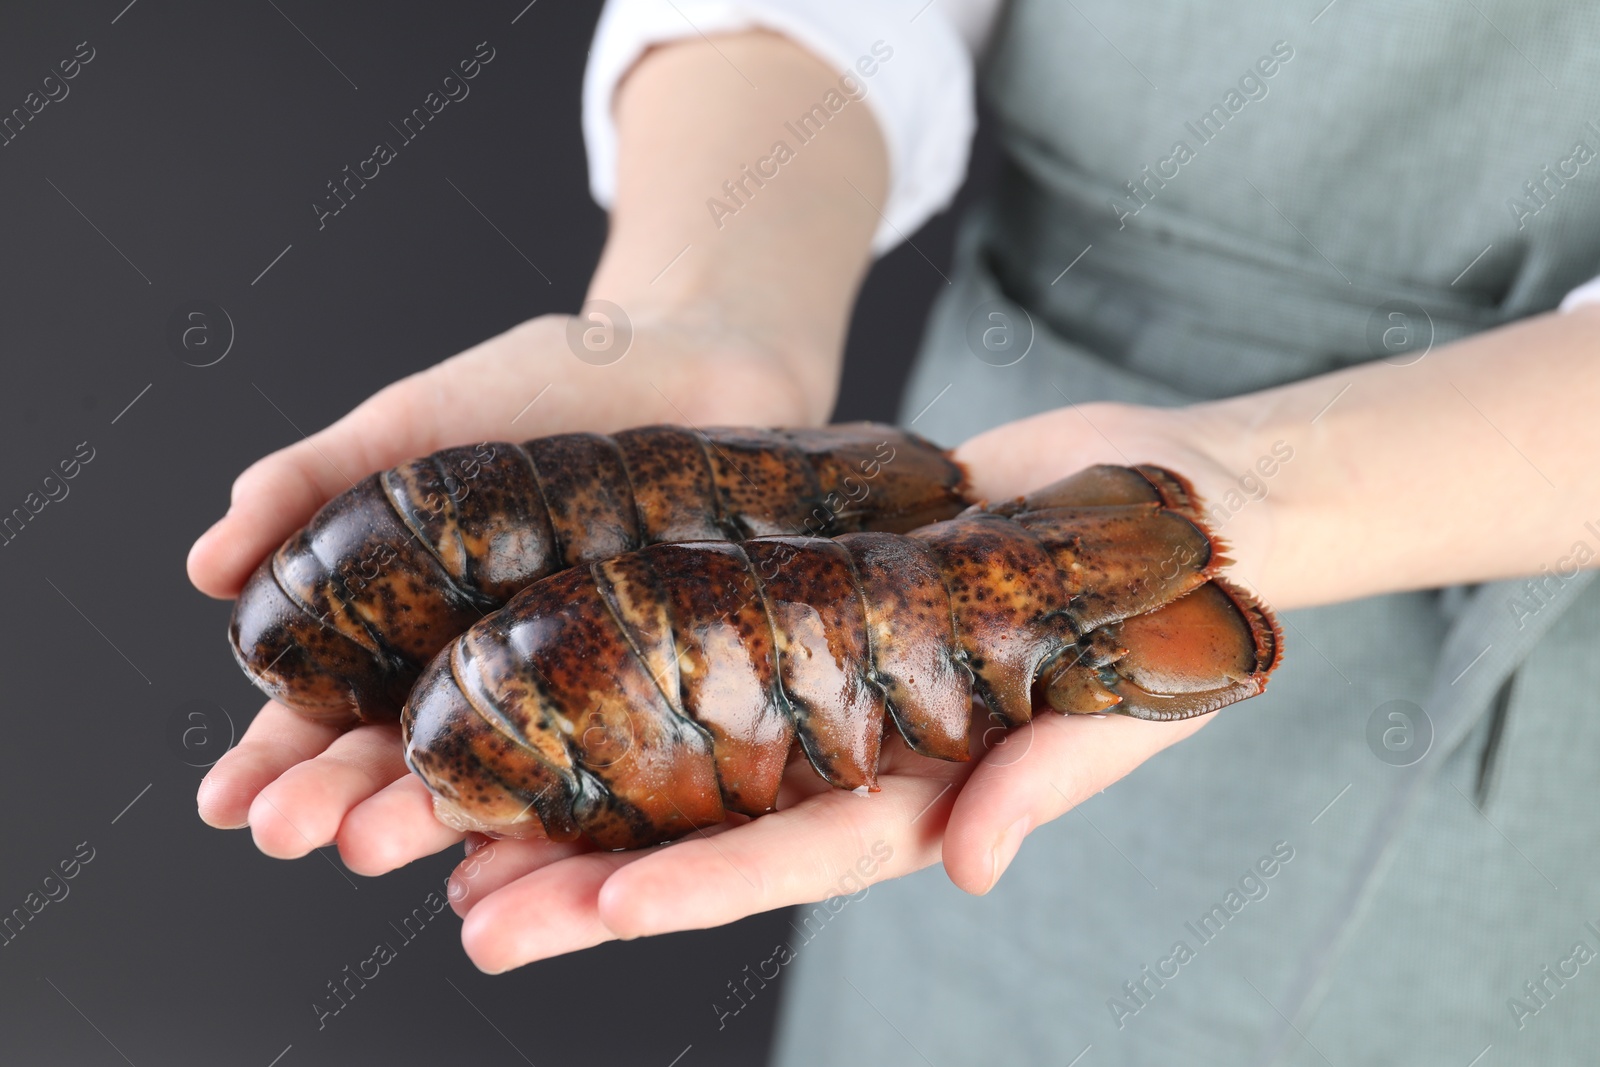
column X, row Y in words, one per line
column 920, row 91
column 1587, row 293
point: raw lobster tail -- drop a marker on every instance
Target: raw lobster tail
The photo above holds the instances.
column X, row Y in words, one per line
column 649, row 694
column 337, row 622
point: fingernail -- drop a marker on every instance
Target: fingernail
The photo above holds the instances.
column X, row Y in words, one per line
column 1005, row 850
column 201, row 803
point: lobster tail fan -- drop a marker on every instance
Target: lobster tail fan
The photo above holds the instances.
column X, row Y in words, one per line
column 1207, row 649
column 1264, row 626
column 1173, row 488
column 1178, row 495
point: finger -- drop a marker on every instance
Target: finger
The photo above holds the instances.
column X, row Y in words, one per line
column 497, row 864
column 542, row 914
column 392, row 828
column 1045, row 769
column 276, row 740
column 831, row 844
column 302, row 810
column 278, row 494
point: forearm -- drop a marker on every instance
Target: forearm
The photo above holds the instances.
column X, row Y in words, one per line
column 1476, row 463
column 770, row 284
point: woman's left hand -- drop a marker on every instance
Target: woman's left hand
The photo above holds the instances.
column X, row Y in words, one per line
column 529, row 900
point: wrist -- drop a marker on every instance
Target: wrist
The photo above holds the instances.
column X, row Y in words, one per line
column 1245, row 462
column 773, row 288
column 1276, row 446
column 677, row 367
column 742, row 354
column 726, row 380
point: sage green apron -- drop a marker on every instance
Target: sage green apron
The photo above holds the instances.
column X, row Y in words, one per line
column 1393, row 857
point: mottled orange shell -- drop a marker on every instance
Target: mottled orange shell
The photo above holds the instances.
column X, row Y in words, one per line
column 654, row 692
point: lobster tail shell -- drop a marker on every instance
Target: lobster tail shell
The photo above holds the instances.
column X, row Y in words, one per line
column 1199, row 653
column 319, row 671
column 338, row 622
column 661, row 689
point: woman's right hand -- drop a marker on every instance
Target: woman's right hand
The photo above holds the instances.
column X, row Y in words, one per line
column 295, row 782
column 524, row 383
column 734, row 321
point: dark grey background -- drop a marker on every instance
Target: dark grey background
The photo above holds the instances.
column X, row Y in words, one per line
column 186, row 158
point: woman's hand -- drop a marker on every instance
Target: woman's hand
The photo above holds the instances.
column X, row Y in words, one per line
column 295, row 782
column 525, row 383
column 738, row 322
column 528, row 900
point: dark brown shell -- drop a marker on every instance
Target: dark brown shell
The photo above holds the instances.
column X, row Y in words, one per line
column 652, row 693
column 337, row 623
